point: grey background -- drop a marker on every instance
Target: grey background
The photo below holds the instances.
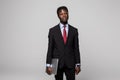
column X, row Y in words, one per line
column 24, row 26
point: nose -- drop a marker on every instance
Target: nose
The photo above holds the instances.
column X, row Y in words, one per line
column 64, row 15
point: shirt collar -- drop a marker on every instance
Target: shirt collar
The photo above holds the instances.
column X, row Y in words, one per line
column 62, row 26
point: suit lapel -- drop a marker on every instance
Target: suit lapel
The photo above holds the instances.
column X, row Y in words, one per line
column 69, row 33
column 60, row 34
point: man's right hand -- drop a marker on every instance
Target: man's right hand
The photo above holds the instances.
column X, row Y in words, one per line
column 49, row 70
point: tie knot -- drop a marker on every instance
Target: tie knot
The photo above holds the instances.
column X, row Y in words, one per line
column 64, row 26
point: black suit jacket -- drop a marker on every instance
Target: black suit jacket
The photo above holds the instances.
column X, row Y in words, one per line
column 68, row 54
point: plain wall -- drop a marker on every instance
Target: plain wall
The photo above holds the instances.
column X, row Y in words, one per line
column 24, row 26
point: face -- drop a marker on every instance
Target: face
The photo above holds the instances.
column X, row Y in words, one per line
column 63, row 16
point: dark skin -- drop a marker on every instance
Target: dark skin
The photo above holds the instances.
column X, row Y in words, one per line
column 63, row 16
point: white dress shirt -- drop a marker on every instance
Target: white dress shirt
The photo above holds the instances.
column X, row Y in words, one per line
column 62, row 28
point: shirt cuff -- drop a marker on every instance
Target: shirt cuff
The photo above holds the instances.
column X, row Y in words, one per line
column 48, row 65
column 78, row 64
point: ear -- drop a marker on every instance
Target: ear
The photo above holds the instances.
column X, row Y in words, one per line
column 58, row 16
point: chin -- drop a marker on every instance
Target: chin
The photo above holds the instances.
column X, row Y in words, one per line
column 64, row 22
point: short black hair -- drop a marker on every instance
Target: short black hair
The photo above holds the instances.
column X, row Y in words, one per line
column 62, row 8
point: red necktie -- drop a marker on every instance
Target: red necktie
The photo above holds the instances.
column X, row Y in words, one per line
column 64, row 35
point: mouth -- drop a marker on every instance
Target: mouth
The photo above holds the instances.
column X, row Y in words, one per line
column 64, row 19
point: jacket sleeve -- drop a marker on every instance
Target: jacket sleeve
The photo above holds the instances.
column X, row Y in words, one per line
column 50, row 47
column 76, row 48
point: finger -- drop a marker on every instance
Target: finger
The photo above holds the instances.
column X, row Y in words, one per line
column 76, row 72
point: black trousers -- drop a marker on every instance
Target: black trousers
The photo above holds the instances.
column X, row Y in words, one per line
column 69, row 73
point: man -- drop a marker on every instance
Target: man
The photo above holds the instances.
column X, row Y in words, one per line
column 64, row 45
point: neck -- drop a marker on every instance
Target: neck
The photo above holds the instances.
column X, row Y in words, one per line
column 64, row 23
